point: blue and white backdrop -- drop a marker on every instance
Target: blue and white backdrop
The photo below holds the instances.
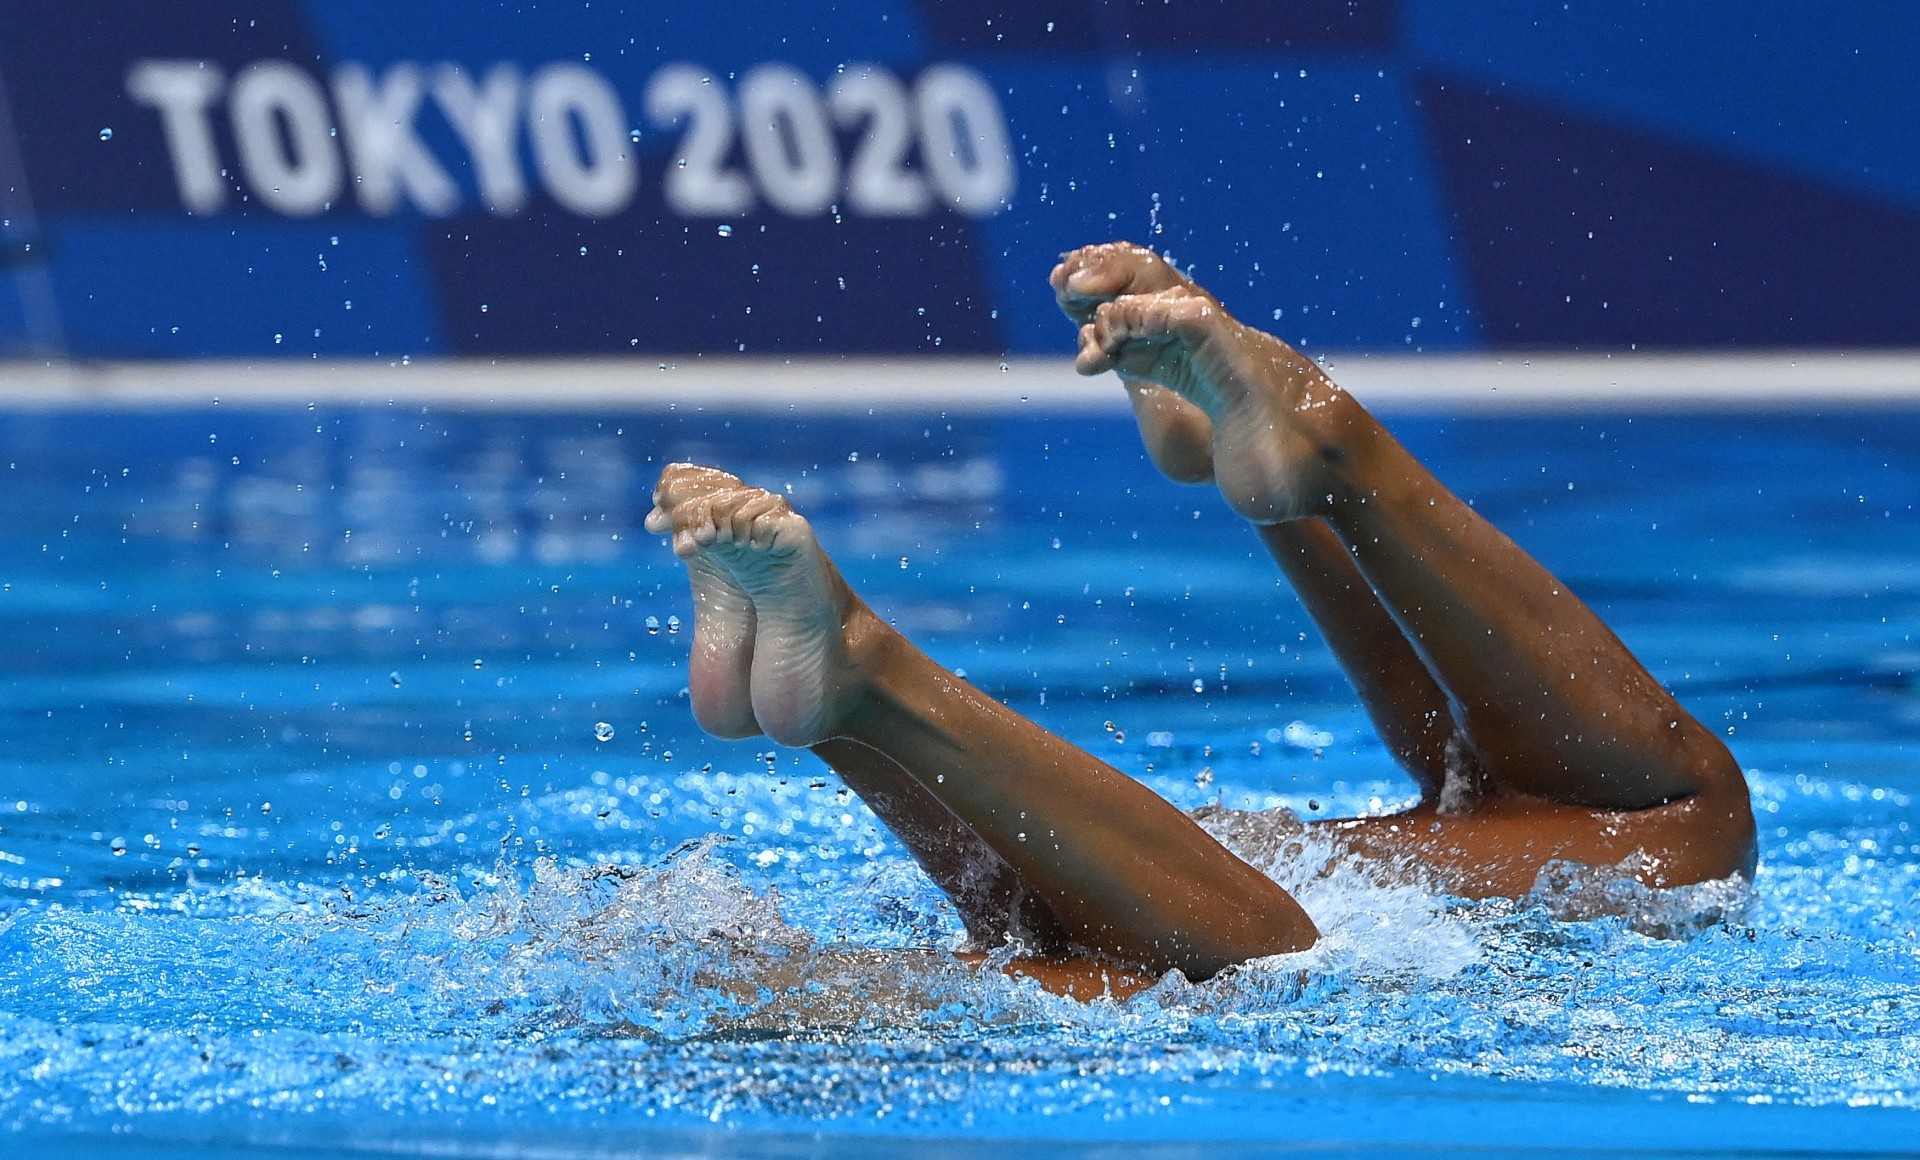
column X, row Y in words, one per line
column 248, row 178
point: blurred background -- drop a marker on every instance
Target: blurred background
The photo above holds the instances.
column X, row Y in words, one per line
column 314, row 179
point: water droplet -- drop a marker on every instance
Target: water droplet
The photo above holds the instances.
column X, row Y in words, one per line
column 118, row 846
column 602, row 731
column 653, row 626
column 583, row 251
column 673, row 625
column 725, row 231
column 1119, row 736
column 266, row 807
column 478, row 663
column 1199, row 686
column 1204, row 778
column 193, row 850
column 633, row 135
column 381, row 831
column 106, row 134
column 853, row 457
column 1022, row 835
column 1109, row 726
column 395, row 678
column 903, row 563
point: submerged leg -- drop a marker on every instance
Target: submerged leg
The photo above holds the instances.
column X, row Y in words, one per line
column 1122, row 872
column 1543, row 699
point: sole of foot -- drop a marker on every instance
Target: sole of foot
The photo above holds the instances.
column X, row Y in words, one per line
column 1258, row 404
column 748, row 544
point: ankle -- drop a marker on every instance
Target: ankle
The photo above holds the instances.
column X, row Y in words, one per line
column 873, row 647
column 1295, row 453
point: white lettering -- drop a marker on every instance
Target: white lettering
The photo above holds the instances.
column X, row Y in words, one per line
column 579, row 138
column 788, row 140
column 181, row 91
column 285, row 135
column 388, row 157
column 592, row 172
column 487, row 120
column 698, row 182
column 963, row 139
column 878, row 180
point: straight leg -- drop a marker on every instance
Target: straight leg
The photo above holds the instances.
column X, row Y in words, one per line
column 1122, row 873
column 1543, row 703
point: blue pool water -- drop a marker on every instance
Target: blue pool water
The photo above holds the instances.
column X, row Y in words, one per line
column 308, row 841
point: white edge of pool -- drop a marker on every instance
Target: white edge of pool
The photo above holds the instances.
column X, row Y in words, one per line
column 1394, row 382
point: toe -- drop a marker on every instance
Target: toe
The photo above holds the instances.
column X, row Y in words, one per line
column 1090, row 275
column 693, row 526
column 782, row 529
column 682, row 482
column 745, row 519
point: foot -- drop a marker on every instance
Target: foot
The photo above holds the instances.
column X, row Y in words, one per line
column 789, row 668
column 1214, row 398
column 723, row 618
column 1177, row 433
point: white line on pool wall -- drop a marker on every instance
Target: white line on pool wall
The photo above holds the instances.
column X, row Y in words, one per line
column 857, row 385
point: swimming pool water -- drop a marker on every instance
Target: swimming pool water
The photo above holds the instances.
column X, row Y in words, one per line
column 309, row 838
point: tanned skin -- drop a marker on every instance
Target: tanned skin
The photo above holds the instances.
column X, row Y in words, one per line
column 1533, row 734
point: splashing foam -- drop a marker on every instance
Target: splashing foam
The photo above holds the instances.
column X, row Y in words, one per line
column 1570, row 892
column 1376, row 919
column 681, row 951
column 1388, row 919
column 685, row 950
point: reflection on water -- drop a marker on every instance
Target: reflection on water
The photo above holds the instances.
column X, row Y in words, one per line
column 309, row 829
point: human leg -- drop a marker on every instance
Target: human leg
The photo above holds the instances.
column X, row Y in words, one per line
column 993, row 902
column 1407, row 706
column 1544, row 700
column 1405, row 703
column 1122, row 872
column 985, row 891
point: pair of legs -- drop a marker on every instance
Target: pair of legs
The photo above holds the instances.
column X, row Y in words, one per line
column 1532, row 732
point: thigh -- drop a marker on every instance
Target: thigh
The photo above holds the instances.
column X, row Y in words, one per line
column 1499, row 846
